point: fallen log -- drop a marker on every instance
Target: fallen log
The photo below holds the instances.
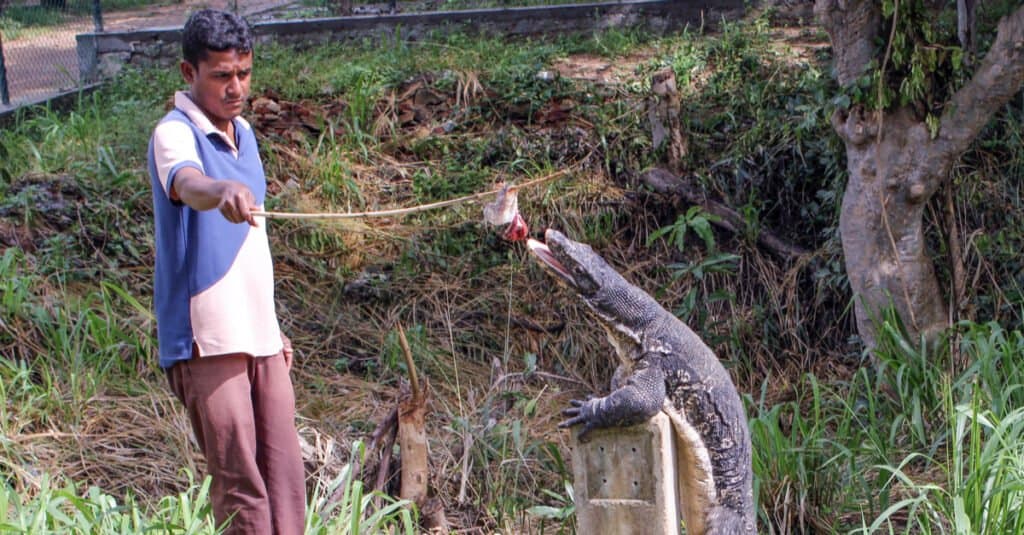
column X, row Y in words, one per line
column 666, row 182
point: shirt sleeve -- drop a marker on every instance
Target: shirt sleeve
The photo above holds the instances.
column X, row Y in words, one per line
column 174, row 147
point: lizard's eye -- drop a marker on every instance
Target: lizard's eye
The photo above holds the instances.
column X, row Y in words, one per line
column 584, row 280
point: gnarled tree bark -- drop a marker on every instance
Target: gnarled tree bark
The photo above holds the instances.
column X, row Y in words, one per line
column 895, row 166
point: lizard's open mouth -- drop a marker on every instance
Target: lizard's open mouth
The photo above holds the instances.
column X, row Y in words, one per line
column 541, row 251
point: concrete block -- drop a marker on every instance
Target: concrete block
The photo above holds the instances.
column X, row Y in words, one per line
column 625, row 482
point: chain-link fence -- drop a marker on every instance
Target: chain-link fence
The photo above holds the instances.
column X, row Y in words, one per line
column 37, row 45
column 38, row 56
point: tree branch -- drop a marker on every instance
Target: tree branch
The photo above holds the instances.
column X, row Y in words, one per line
column 998, row 78
column 966, row 25
column 853, row 26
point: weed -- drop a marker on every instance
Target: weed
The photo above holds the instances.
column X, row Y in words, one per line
column 63, row 509
column 798, row 477
column 341, row 506
column 562, row 513
column 982, row 483
column 344, row 506
column 996, row 374
column 694, row 219
column 919, row 379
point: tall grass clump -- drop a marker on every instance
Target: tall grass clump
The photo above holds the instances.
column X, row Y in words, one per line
column 977, row 487
column 61, row 508
column 345, row 505
column 810, row 453
column 910, row 445
column 797, row 475
column 342, row 505
column 974, row 482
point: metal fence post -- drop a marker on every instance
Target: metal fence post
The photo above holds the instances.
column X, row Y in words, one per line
column 5, row 95
column 97, row 15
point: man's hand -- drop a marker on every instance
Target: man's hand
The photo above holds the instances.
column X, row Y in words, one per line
column 234, row 199
column 236, row 202
column 288, row 352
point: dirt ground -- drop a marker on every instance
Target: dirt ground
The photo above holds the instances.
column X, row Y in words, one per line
column 45, row 63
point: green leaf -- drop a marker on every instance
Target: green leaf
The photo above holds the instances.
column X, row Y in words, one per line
column 545, row 511
column 530, row 360
column 702, row 227
column 530, row 408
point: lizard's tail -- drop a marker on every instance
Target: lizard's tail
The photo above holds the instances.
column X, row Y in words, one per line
column 722, row 520
column 701, row 506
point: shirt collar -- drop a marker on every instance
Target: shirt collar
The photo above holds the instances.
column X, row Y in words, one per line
column 184, row 102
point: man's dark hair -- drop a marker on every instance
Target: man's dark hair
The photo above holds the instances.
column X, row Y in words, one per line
column 211, row 29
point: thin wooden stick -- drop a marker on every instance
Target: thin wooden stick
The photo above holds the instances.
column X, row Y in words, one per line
column 400, row 211
column 414, row 381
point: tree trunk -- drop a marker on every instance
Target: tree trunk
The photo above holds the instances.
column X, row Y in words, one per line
column 895, row 166
column 891, row 178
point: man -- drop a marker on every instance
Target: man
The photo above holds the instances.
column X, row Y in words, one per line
column 219, row 339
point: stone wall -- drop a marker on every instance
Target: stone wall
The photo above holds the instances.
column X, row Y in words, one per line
column 102, row 55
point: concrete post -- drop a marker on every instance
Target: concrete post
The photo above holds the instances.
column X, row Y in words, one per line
column 625, row 480
column 88, row 57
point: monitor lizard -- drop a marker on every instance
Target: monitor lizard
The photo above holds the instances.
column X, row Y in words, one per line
column 663, row 366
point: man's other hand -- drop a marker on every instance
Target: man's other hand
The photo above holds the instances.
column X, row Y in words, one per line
column 288, row 352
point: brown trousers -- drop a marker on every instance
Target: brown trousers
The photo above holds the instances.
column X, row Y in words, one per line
column 242, row 410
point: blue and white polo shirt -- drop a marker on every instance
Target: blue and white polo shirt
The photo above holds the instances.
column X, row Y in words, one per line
column 214, row 280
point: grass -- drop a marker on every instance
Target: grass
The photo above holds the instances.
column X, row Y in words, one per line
column 868, row 450
column 971, row 480
column 910, row 440
column 342, row 506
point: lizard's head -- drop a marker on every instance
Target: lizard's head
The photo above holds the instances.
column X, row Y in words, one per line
column 614, row 300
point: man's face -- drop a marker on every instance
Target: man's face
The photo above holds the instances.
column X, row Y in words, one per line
column 220, row 84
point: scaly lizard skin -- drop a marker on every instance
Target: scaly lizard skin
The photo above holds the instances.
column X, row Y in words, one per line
column 664, row 366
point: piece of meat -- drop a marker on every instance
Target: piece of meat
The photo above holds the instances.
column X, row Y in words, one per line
column 503, row 213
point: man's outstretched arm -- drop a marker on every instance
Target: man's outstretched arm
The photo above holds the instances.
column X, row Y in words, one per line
column 234, row 199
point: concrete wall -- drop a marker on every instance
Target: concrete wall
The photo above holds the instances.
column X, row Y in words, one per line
column 102, row 55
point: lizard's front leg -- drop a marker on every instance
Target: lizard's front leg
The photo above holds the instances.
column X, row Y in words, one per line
column 634, row 402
